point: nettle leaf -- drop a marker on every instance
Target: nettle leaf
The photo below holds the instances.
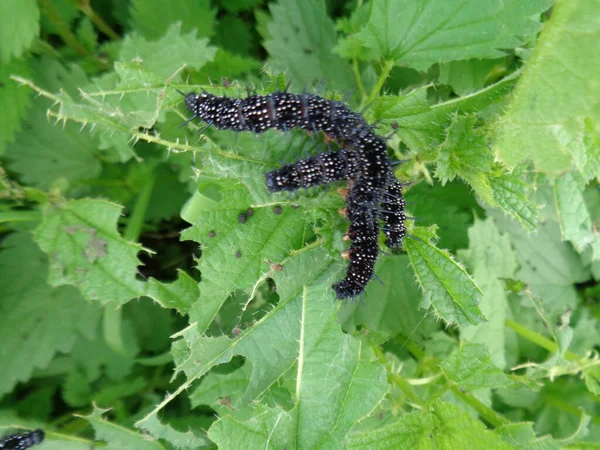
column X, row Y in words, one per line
column 392, row 305
column 490, row 258
column 442, row 425
column 466, row 77
column 544, row 121
column 13, row 101
column 522, row 436
column 237, row 255
column 421, row 33
column 87, row 251
column 422, row 126
column 337, row 383
column 170, row 53
column 514, row 194
column 575, row 220
column 45, row 151
column 36, row 320
column 196, row 354
column 152, row 20
column 464, row 153
column 446, row 285
column 19, row 26
column 301, row 40
column 470, row 366
column 118, row 437
column 548, row 265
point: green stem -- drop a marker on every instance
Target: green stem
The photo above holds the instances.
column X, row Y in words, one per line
column 488, row 414
column 62, row 28
column 359, row 82
column 136, row 220
column 20, row 216
column 113, row 318
column 86, row 8
column 538, row 339
column 387, row 68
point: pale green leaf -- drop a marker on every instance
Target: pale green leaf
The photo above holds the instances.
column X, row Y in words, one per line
column 180, row 294
column 302, row 37
column 549, row 266
column 331, row 365
column 87, row 251
column 423, row 32
column 46, row 151
column 522, row 436
column 555, row 108
column 446, row 286
column 575, row 220
column 515, row 195
column 152, row 18
column 441, row 426
column 265, row 237
column 175, row 49
column 470, row 366
column 491, row 258
column 36, row 320
column 14, row 100
column 466, row 77
column 422, row 126
column 464, row 153
column 391, row 306
column 118, row 437
column 19, row 26
column 180, row 439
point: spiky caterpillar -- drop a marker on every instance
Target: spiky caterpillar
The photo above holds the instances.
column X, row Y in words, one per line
column 22, row 441
column 364, row 162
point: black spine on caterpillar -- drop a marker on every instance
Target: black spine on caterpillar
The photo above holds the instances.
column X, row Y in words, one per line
column 323, row 168
column 392, row 214
column 22, row 441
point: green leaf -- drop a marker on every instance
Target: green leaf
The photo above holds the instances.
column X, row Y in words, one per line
column 522, row 436
column 442, row 425
column 225, row 65
column 36, row 320
column 575, row 220
column 464, row 153
column 545, row 122
column 14, row 100
column 234, row 34
column 549, row 266
column 491, row 258
column 514, row 194
column 422, row 126
column 19, row 26
column 118, row 437
column 87, row 251
column 302, row 37
column 170, row 53
column 181, row 294
column 152, row 18
column 195, row 354
column 235, row 6
column 470, row 366
column 392, row 305
column 421, row 33
column 331, row 365
column 466, row 77
column 46, row 151
column 446, row 286
column 266, row 237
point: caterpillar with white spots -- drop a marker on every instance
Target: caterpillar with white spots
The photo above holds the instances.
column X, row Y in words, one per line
column 22, row 441
column 374, row 192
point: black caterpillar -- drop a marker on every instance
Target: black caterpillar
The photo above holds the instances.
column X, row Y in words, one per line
column 22, row 441
column 374, row 193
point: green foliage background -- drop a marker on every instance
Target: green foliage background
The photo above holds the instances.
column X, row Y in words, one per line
column 137, row 311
